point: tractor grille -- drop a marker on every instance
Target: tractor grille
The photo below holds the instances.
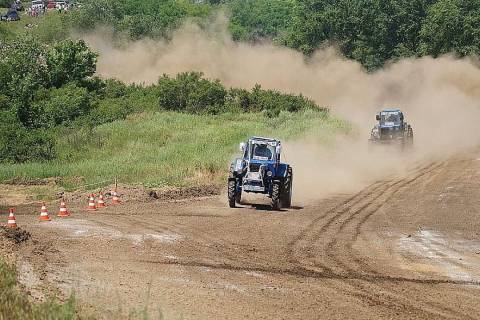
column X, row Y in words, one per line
column 254, row 167
column 389, row 133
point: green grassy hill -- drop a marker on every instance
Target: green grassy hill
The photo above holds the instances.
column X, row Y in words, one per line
column 166, row 148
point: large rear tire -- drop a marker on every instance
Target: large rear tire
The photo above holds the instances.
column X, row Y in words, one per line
column 276, row 205
column 232, row 193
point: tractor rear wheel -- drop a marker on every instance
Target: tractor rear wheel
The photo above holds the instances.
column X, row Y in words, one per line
column 276, row 205
column 232, row 193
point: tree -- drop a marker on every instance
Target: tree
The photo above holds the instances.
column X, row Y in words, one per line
column 18, row 144
column 190, row 92
column 256, row 19
column 70, row 61
column 22, row 68
column 62, row 105
column 451, row 26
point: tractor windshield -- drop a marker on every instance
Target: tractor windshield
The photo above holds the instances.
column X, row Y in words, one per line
column 263, row 152
column 390, row 118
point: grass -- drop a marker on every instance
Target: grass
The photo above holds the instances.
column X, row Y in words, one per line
column 167, row 148
column 14, row 304
column 46, row 28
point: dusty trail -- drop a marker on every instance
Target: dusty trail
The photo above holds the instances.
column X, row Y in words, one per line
column 406, row 247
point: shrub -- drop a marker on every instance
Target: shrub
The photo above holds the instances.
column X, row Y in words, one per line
column 61, row 106
column 109, row 110
column 18, row 144
column 191, row 93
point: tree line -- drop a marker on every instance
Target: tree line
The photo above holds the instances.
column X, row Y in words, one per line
column 372, row 32
column 369, row 31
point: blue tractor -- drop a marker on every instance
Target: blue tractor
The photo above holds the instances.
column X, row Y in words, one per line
column 391, row 129
column 259, row 170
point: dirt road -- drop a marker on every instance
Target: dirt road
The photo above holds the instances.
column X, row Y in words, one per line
column 406, row 247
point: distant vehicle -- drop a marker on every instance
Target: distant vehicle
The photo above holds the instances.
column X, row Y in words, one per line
column 391, row 129
column 17, row 5
column 51, row 5
column 12, row 15
column 259, row 170
column 38, row 5
column 61, row 5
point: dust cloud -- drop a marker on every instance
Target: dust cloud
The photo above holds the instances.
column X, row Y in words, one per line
column 440, row 98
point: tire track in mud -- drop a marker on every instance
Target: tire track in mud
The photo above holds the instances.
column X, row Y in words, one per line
column 340, row 244
column 354, row 222
column 343, row 207
column 300, row 272
column 330, row 230
column 368, row 214
column 357, row 220
column 371, row 193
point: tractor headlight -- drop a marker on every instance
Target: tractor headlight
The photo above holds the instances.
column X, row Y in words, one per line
column 269, row 173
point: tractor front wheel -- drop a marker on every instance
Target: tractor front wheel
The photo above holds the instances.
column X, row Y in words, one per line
column 238, row 197
column 287, row 189
column 276, row 205
column 232, row 188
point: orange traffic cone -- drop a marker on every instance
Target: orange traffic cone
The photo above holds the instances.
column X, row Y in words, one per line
column 63, row 212
column 44, row 213
column 12, row 223
column 101, row 202
column 91, row 203
column 115, row 199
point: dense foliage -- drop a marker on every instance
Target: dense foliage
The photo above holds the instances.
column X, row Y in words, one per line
column 375, row 31
column 369, row 31
column 138, row 18
column 258, row 19
column 46, row 88
column 372, row 31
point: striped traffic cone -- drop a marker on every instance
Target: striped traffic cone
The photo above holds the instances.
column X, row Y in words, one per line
column 63, row 212
column 115, row 199
column 12, row 223
column 101, row 202
column 91, row 203
column 44, row 213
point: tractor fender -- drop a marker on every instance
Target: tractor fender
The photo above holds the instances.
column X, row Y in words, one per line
column 282, row 170
column 236, row 168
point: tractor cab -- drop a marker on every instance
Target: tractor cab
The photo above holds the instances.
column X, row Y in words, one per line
column 389, row 118
column 261, row 149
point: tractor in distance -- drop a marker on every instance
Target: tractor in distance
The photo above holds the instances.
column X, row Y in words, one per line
column 391, row 129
